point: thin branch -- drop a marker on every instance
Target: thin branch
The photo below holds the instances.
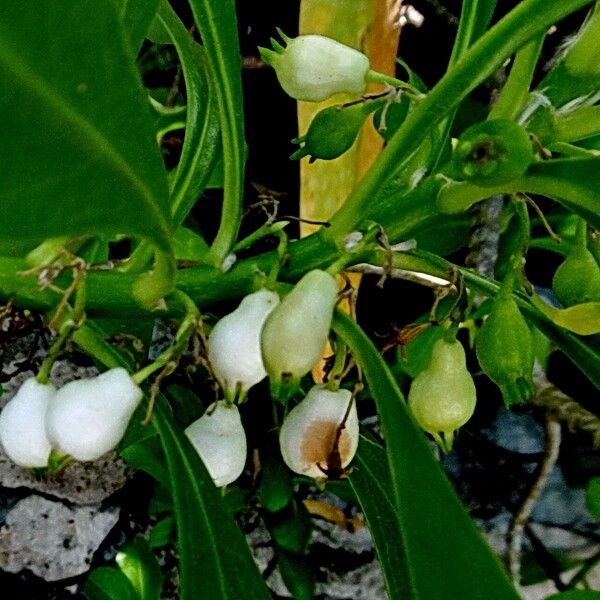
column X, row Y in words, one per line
column 515, row 533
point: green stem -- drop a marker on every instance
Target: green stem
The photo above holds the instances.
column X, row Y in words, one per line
column 409, row 90
column 262, row 232
column 528, row 20
column 217, row 24
column 513, row 96
column 69, row 324
column 182, row 337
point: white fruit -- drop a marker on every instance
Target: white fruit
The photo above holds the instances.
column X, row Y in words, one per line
column 295, row 334
column 308, row 435
column 22, row 425
column 314, row 67
column 234, row 343
column 87, row 418
column 220, row 440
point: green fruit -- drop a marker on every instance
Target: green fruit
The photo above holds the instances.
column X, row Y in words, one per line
column 333, row 131
column 295, row 333
column 577, row 279
column 492, row 153
column 442, row 397
column 505, row 350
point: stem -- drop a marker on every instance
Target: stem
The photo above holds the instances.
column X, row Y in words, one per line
column 187, row 327
column 529, row 19
column 409, row 90
column 69, row 324
column 514, row 93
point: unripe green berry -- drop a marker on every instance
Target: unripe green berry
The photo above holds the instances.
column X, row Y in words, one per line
column 333, row 131
column 442, row 397
column 492, row 153
column 314, row 67
column 295, row 333
column 577, row 279
column 505, row 350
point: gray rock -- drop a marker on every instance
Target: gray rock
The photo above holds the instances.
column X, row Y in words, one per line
column 516, row 432
column 52, row 540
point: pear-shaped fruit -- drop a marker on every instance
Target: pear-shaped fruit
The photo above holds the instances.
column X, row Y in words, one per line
column 220, row 440
column 577, row 279
column 23, row 425
column 87, row 418
column 234, row 344
column 442, row 397
column 505, row 350
column 319, row 437
column 295, row 333
column 314, row 67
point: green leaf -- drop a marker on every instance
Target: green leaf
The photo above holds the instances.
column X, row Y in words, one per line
column 593, row 497
column 202, row 132
column 583, row 319
column 217, row 24
column 297, row 575
column 276, row 486
column 163, row 533
column 447, row 555
column 138, row 563
column 108, row 583
column 148, row 456
column 370, row 480
column 189, row 245
column 137, row 16
column 571, row 181
column 214, row 559
column 90, row 164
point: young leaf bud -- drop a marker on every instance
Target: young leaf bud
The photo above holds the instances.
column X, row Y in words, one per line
column 320, row 435
column 234, row 344
column 505, row 350
column 295, row 333
column 314, row 67
column 220, row 440
column 88, row 417
column 442, row 396
column 492, row 153
column 23, row 426
column 333, row 131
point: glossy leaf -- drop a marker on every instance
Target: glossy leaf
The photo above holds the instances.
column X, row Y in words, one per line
column 137, row 16
column 214, row 558
column 370, row 480
column 593, row 497
column 217, row 24
column 447, row 556
column 108, row 583
column 90, row 163
column 583, row 319
column 571, row 181
column 202, row 133
column 138, row 563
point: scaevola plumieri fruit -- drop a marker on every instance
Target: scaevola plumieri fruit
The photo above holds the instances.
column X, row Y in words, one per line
column 23, row 424
column 442, row 397
column 320, row 434
column 219, row 438
column 234, row 344
column 295, row 333
column 315, row 67
column 88, row 417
